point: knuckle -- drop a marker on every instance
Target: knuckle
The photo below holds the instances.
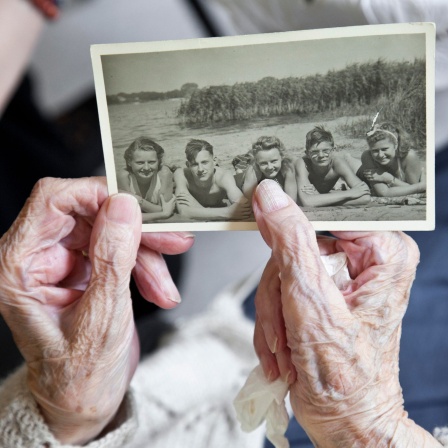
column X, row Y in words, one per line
column 413, row 251
column 44, row 187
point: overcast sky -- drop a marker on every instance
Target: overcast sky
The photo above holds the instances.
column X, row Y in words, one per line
column 166, row 71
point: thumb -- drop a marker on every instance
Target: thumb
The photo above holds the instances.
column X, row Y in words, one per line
column 114, row 243
column 292, row 239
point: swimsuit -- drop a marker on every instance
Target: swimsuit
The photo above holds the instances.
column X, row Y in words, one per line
column 280, row 179
column 151, row 196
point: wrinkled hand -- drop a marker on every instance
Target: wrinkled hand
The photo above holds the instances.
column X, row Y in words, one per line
column 337, row 349
column 71, row 314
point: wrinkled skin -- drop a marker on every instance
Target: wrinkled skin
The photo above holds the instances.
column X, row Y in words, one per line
column 71, row 314
column 337, row 349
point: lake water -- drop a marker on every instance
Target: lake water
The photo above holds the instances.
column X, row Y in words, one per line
column 158, row 119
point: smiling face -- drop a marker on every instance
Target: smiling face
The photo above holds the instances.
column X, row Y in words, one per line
column 269, row 161
column 320, row 154
column 203, row 166
column 383, row 151
column 144, row 164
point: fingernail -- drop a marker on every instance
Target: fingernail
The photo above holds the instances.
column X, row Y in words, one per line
column 270, row 196
column 273, row 347
column 175, row 299
column 122, row 208
column 271, row 376
column 268, row 368
column 185, row 235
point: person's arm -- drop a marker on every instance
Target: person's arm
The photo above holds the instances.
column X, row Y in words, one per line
column 123, row 187
column 337, row 349
column 250, row 182
column 290, row 182
column 387, row 185
column 347, row 197
column 20, row 25
column 189, row 207
column 168, row 201
column 167, row 183
column 69, row 312
column 384, row 190
column 343, row 169
column 167, row 211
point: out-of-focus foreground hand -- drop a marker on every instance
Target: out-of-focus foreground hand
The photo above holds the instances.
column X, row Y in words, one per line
column 337, row 349
column 71, row 314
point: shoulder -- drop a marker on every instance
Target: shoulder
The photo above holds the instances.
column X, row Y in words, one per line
column 411, row 156
column 223, row 176
column 366, row 158
column 221, row 172
column 251, row 171
column 123, row 178
column 165, row 172
column 180, row 179
column 301, row 163
column 180, row 173
column 342, row 159
column 287, row 165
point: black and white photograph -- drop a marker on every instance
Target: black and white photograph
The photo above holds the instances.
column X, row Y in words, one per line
column 341, row 119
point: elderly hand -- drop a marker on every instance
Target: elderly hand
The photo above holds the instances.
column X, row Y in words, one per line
column 71, row 314
column 337, row 349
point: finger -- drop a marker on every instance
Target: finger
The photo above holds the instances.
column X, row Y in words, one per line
column 106, row 307
column 366, row 249
column 327, row 244
column 382, row 265
column 48, row 215
column 268, row 361
column 287, row 371
column 154, row 280
column 269, row 307
column 79, row 237
column 169, row 243
column 307, row 290
column 79, row 276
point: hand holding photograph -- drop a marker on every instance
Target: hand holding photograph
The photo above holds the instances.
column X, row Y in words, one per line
column 342, row 119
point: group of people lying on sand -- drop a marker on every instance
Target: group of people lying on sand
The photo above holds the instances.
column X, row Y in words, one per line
column 204, row 191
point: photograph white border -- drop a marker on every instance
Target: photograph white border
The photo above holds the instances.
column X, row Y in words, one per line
column 97, row 51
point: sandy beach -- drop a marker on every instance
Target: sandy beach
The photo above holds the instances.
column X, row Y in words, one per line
column 228, row 144
column 230, row 140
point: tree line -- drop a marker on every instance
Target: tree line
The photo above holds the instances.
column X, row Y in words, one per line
column 355, row 90
column 142, row 97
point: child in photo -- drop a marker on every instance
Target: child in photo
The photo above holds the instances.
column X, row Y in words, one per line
column 318, row 171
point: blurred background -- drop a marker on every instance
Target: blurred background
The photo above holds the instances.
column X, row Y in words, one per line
column 53, row 111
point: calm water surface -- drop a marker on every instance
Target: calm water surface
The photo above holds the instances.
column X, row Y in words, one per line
column 158, row 120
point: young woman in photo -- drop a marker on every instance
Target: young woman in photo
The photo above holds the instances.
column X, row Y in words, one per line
column 148, row 179
column 269, row 162
column 390, row 166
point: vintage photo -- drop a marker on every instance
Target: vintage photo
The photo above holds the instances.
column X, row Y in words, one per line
column 341, row 119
